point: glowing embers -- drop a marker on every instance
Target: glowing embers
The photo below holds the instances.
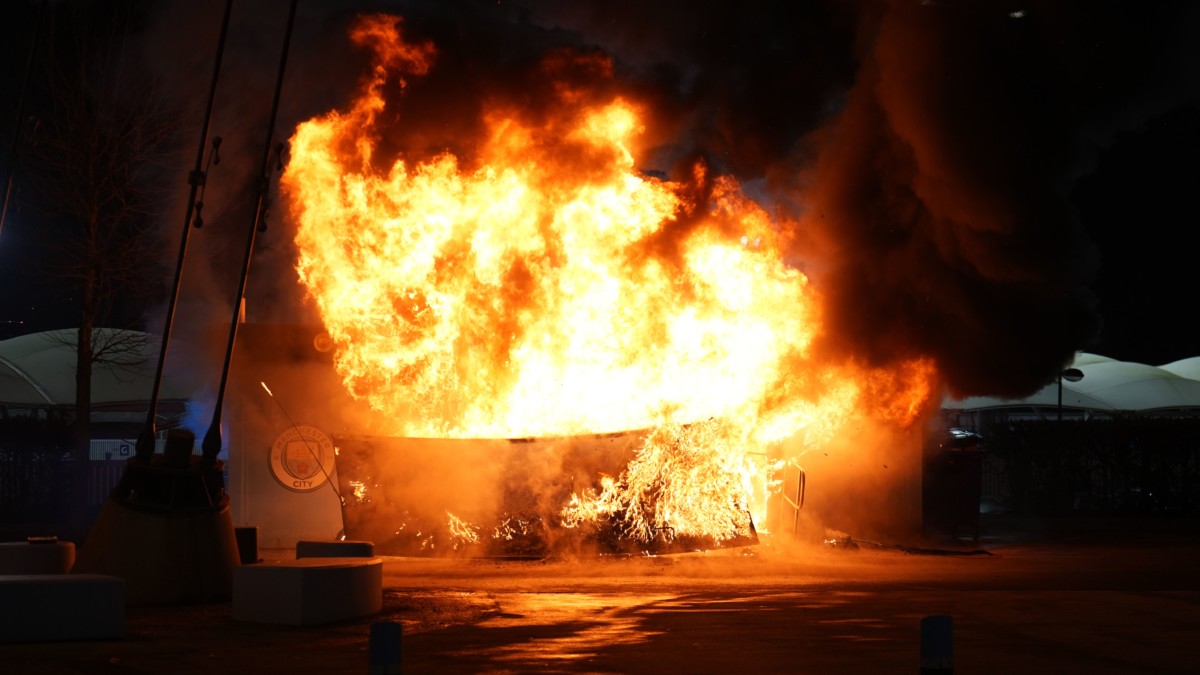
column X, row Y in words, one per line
column 530, row 498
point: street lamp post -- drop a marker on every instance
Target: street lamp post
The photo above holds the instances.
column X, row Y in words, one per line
column 1070, row 375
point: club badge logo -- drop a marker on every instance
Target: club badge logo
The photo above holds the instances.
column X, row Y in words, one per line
column 302, row 458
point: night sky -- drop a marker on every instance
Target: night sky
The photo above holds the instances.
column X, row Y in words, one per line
column 1009, row 183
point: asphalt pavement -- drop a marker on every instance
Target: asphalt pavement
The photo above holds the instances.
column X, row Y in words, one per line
column 1031, row 596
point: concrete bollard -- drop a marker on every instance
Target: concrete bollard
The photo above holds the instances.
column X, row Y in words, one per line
column 385, row 648
column 247, row 544
column 937, row 645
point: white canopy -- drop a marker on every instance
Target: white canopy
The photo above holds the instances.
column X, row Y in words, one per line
column 1108, row 385
column 1047, row 396
column 38, row 370
column 1136, row 386
column 1189, row 368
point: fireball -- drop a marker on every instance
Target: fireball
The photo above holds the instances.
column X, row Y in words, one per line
column 547, row 286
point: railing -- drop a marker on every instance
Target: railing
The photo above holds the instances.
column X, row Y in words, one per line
column 1119, row 466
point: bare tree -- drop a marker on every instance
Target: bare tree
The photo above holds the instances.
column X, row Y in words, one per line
column 96, row 167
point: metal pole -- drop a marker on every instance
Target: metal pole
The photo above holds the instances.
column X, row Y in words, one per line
column 799, row 503
column 211, row 446
column 10, row 167
column 197, row 178
column 1060, row 397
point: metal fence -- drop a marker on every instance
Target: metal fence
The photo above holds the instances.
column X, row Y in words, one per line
column 37, row 465
column 35, row 470
column 1118, row 466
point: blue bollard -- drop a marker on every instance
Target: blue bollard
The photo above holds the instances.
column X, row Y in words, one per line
column 937, row 645
column 384, row 649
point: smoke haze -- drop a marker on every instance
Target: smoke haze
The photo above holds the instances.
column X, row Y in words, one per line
column 919, row 154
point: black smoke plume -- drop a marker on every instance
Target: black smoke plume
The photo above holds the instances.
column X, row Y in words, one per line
column 919, row 154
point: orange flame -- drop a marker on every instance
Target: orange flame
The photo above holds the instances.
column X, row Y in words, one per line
column 551, row 288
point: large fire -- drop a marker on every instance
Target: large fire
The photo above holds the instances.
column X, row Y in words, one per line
column 548, row 287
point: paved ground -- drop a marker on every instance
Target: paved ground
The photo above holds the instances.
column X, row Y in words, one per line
column 1079, row 597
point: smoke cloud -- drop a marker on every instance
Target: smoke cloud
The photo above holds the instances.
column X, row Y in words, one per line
column 919, row 154
column 937, row 203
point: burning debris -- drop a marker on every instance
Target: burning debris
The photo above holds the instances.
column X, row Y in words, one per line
column 537, row 497
column 683, row 481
